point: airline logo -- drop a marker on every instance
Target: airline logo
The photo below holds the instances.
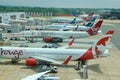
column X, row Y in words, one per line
column 97, row 49
column 16, row 53
column 100, row 47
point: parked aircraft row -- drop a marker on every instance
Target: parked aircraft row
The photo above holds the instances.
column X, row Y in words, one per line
column 58, row 36
column 66, row 27
column 45, row 56
column 68, row 20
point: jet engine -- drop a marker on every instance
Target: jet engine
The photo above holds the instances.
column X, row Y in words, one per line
column 31, row 62
column 52, row 39
column 48, row 39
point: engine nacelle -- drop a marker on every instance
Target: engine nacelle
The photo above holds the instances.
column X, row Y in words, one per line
column 52, row 39
column 54, row 69
column 31, row 62
column 48, row 39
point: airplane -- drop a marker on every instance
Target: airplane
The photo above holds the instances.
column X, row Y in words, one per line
column 65, row 20
column 68, row 20
column 88, row 17
column 84, row 17
column 85, row 27
column 66, row 27
column 58, row 36
column 45, row 56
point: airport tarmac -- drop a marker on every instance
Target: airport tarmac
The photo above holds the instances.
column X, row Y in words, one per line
column 107, row 68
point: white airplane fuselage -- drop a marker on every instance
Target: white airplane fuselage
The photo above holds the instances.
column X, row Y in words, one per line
column 53, row 53
column 70, row 27
column 64, row 20
column 61, row 34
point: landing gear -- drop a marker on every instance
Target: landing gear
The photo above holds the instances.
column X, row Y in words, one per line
column 77, row 66
column 43, row 67
column 82, row 65
column 85, row 72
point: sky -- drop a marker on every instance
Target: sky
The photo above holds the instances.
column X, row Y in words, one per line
column 64, row 3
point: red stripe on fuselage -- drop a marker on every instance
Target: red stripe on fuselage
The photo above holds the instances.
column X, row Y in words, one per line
column 87, row 55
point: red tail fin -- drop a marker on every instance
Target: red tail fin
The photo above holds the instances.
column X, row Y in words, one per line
column 88, row 17
column 99, row 49
column 95, row 28
column 110, row 32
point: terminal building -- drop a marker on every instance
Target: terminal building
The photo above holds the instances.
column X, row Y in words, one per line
column 6, row 17
column 109, row 14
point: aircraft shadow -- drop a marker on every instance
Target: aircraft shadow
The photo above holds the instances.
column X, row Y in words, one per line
column 10, row 63
column 95, row 68
column 37, row 69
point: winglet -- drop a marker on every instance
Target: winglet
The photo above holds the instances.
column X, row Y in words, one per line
column 110, row 32
column 70, row 43
column 67, row 60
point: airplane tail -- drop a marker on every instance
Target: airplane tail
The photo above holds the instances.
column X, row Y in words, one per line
column 73, row 21
column 91, row 22
column 99, row 49
column 95, row 28
column 93, row 19
column 88, row 17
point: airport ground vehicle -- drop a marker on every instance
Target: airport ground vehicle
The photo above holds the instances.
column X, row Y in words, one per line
column 58, row 36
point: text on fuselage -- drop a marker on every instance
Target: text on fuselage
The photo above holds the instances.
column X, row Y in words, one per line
column 16, row 53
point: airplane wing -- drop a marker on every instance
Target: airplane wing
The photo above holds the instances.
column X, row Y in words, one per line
column 49, row 60
column 45, row 59
column 35, row 76
column 69, row 44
